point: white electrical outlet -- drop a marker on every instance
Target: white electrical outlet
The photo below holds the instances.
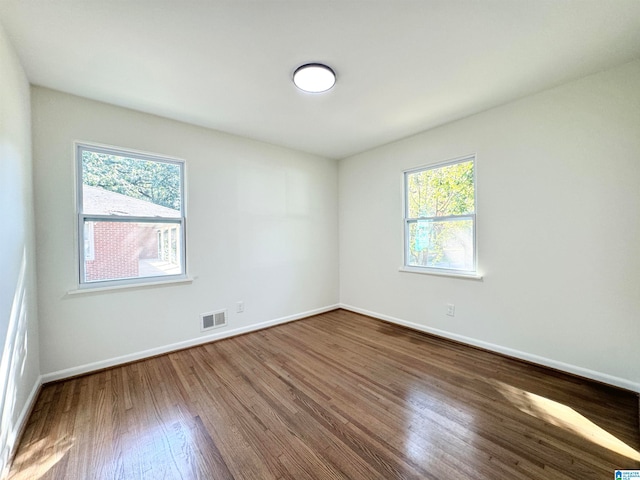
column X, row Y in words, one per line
column 240, row 307
column 451, row 310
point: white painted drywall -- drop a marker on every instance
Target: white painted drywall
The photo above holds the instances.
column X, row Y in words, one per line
column 558, row 229
column 261, row 228
column 19, row 359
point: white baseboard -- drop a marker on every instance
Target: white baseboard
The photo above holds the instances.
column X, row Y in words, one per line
column 529, row 357
column 31, row 399
column 20, row 425
column 565, row 367
column 112, row 362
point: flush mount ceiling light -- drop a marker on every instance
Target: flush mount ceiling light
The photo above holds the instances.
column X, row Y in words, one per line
column 314, row 78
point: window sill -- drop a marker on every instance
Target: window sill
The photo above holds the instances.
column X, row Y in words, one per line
column 448, row 273
column 128, row 286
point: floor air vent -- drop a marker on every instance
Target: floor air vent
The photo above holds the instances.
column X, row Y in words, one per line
column 213, row 320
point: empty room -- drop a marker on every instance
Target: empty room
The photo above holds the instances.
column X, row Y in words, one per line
column 289, row 239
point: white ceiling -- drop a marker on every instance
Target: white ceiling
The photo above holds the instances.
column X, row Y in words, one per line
column 402, row 66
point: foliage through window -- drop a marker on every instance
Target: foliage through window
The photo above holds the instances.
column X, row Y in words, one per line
column 440, row 217
column 131, row 218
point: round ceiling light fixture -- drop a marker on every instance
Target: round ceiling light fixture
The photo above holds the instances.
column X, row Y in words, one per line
column 314, row 78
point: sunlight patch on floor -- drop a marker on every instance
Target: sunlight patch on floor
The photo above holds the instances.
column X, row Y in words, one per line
column 34, row 470
column 564, row 417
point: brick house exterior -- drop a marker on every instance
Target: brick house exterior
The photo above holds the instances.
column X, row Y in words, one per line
column 113, row 250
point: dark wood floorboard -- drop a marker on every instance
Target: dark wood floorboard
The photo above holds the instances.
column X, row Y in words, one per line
column 335, row 396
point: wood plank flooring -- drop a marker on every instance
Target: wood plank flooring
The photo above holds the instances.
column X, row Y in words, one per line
column 335, row 396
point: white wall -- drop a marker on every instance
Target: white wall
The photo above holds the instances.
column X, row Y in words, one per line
column 261, row 228
column 557, row 232
column 558, row 229
column 19, row 364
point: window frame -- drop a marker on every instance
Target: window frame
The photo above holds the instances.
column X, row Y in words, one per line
column 82, row 217
column 407, row 221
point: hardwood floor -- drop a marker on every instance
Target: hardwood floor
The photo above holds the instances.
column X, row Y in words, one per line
column 335, row 396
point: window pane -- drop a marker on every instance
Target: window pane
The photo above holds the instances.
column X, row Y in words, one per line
column 441, row 244
column 123, row 250
column 119, row 185
column 442, row 191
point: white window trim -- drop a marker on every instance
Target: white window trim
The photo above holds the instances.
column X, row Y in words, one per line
column 441, row 272
column 101, row 288
column 115, row 284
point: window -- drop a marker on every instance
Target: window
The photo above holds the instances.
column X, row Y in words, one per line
column 440, row 217
column 131, row 220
